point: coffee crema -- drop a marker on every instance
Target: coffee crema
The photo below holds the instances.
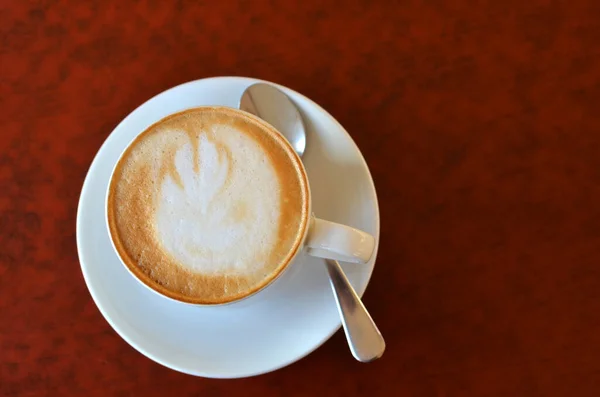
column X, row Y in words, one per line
column 208, row 205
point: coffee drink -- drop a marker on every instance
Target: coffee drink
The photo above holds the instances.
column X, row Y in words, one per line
column 208, row 205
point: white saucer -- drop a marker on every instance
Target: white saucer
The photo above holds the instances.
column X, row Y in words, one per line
column 267, row 331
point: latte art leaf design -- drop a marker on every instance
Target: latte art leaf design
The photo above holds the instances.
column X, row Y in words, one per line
column 212, row 214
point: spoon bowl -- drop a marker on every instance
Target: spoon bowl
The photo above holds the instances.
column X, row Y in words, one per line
column 273, row 106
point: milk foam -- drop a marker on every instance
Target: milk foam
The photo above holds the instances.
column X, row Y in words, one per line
column 219, row 211
column 207, row 205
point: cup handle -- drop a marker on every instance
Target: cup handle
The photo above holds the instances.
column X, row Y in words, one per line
column 332, row 240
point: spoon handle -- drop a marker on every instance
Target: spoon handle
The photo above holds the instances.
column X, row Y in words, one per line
column 364, row 339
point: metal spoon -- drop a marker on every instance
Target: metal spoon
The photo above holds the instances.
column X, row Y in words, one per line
column 272, row 105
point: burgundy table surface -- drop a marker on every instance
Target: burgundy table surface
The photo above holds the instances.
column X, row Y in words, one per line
column 480, row 121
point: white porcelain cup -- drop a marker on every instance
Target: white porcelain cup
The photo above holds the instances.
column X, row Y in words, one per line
column 320, row 238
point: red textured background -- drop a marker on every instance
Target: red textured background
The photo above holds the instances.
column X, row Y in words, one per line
column 481, row 124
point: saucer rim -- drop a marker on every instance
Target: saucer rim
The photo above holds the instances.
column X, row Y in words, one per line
column 82, row 257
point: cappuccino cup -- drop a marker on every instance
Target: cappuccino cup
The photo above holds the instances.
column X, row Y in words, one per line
column 211, row 204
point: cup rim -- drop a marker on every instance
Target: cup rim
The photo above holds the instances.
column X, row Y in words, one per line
column 147, row 282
